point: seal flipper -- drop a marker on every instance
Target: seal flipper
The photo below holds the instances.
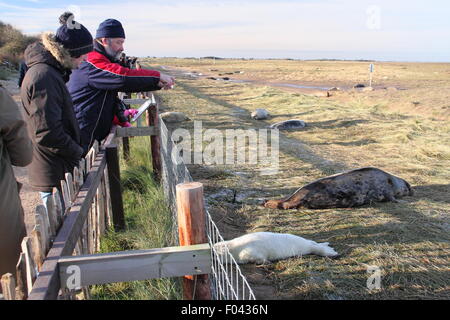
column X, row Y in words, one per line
column 290, row 205
column 390, row 197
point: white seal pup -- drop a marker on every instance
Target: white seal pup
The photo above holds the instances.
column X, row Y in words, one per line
column 263, row 247
column 260, row 114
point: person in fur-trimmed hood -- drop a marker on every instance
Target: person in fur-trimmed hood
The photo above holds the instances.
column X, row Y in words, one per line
column 51, row 120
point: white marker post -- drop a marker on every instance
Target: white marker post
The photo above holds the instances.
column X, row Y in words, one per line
column 371, row 69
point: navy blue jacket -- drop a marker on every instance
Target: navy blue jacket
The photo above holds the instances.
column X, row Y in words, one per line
column 94, row 87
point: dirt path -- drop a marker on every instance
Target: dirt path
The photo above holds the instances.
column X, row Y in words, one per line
column 30, row 198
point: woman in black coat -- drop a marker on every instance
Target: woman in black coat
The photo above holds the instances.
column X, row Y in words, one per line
column 48, row 105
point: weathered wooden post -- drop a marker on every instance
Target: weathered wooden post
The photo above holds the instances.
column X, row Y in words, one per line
column 152, row 120
column 192, row 230
column 126, row 140
column 112, row 160
column 8, row 284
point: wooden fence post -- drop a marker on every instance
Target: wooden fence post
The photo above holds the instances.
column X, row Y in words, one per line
column 21, row 278
column 152, row 120
column 126, row 140
column 112, row 160
column 8, row 286
column 126, row 148
column 192, row 230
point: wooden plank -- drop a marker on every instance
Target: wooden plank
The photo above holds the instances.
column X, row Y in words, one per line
column 153, row 120
column 108, row 205
column 38, row 246
column 91, row 155
column 136, row 132
column 76, row 179
column 92, row 227
column 65, row 196
column 47, row 284
column 191, row 231
column 8, row 284
column 70, row 186
column 21, row 278
column 95, row 146
column 88, row 228
column 41, row 220
column 84, row 237
column 95, row 221
column 58, row 207
column 134, row 265
column 31, row 267
column 134, row 101
column 52, row 216
column 101, row 214
column 112, row 158
column 88, row 163
column 82, row 168
column 77, row 250
column 111, row 138
column 126, row 148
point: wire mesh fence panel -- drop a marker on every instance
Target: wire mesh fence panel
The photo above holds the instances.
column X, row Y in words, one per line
column 174, row 172
column 227, row 280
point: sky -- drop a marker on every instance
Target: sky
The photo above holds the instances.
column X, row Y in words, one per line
column 384, row 30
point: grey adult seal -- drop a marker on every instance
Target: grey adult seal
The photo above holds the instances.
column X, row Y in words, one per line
column 174, row 117
column 346, row 190
column 289, row 124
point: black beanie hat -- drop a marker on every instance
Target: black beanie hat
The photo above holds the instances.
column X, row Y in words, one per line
column 110, row 28
column 73, row 36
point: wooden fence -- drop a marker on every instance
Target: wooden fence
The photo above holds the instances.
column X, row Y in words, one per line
column 59, row 258
column 73, row 220
column 49, row 236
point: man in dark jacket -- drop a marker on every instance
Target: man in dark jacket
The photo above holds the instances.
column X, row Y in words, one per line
column 94, row 86
column 47, row 103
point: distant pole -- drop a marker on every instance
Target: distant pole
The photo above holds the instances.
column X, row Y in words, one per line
column 192, row 230
column 371, row 69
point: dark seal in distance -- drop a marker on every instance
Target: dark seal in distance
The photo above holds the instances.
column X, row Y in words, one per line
column 289, row 125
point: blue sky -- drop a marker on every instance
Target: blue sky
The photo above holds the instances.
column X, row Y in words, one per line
column 414, row 30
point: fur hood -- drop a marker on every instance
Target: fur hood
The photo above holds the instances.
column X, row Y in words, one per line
column 57, row 50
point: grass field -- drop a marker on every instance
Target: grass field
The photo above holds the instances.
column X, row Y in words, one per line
column 405, row 132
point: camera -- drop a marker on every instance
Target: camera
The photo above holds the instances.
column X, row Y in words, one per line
column 126, row 61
